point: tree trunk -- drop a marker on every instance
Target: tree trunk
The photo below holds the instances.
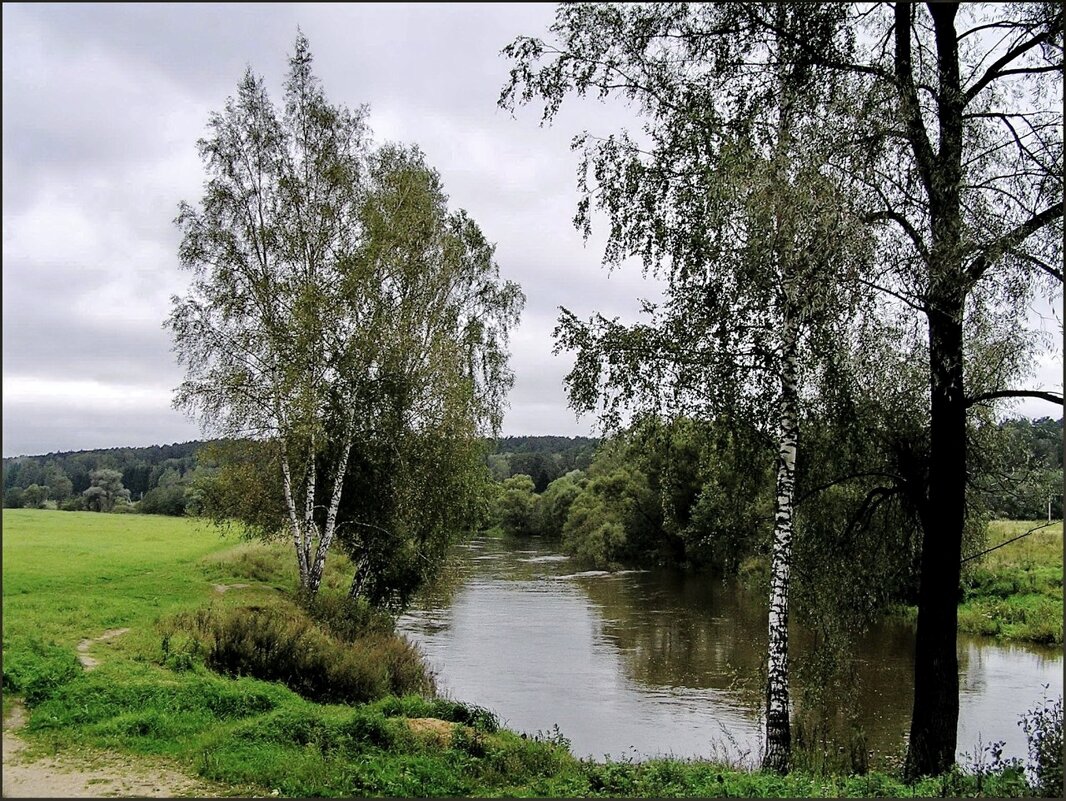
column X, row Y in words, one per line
column 778, row 729
column 935, row 715
column 294, row 522
column 331, row 516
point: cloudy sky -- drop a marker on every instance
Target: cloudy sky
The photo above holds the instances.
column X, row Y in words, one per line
column 102, row 106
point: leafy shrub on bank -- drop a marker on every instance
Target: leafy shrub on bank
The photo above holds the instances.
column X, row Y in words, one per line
column 1043, row 731
column 284, row 645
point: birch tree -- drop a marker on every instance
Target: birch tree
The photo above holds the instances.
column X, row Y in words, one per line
column 299, row 319
column 728, row 200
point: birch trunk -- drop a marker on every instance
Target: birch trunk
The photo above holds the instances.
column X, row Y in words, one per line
column 331, row 515
column 310, row 528
column 298, row 536
column 778, row 729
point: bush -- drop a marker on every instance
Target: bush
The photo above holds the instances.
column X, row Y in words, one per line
column 1043, row 731
column 75, row 503
column 163, row 501
column 348, row 619
column 286, row 646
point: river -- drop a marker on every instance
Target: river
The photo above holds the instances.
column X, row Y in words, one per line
column 635, row 664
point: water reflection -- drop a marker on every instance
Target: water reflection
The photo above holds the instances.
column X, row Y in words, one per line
column 641, row 663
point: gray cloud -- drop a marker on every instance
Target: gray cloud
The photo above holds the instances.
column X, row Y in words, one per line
column 102, row 107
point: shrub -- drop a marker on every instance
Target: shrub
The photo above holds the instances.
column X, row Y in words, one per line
column 75, row 503
column 1043, row 731
column 348, row 619
column 163, row 501
column 285, row 646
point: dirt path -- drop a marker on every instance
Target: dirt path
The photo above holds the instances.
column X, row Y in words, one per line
column 87, row 661
column 89, row 774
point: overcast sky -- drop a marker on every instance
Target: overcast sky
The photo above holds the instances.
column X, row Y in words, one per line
column 102, row 107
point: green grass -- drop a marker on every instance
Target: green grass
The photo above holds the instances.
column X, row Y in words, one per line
column 69, row 576
column 1015, row 592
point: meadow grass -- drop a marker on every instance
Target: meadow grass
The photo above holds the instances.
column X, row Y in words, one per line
column 1015, row 592
column 70, row 576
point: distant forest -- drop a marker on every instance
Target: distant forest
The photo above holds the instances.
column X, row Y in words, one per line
column 166, row 479
column 162, row 479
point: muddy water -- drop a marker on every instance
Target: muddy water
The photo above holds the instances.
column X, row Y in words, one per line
column 643, row 663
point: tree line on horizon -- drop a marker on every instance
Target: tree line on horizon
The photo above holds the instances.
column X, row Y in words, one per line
column 1025, row 478
column 168, row 479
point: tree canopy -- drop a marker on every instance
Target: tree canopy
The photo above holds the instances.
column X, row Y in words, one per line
column 338, row 308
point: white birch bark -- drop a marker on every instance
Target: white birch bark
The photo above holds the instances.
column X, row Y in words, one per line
column 331, row 514
column 310, row 528
column 294, row 521
column 778, row 730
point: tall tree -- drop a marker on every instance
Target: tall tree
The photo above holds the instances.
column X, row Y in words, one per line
column 964, row 112
column 335, row 300
column 105, row 491
column 729, row 200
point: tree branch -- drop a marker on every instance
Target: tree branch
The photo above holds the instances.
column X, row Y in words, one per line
column 1050, row 397
column 904, row 79
column 1012, row 239
column 1038, row 263
column 996, row 69
column 1007, row 542
column 903, row 223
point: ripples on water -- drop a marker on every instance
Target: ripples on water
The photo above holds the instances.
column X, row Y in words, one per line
column 643, row 662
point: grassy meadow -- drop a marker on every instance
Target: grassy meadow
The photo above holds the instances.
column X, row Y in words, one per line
column 68, row 577
column 1015, row 592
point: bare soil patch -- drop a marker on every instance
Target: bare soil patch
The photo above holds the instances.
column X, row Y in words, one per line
column 87, row 661
column 221, row 588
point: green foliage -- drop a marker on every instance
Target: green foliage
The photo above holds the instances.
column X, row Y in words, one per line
column 552, row 507
column 36, row 669
column 75, row 503
column 1022, row 474
column 34, row 496
column 405, row 503
column 245, row 486
column 284, row 645
column 106, row 491
column 1043, row 733
column 163, row 501
column 678, row 492
column 515, row 504
column 13, row 498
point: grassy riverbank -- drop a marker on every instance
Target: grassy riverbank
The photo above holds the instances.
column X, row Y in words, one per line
column 70, row 577
column 1015, row 591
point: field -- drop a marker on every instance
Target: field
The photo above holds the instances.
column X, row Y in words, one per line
column 70, row 577
column 1015, row 592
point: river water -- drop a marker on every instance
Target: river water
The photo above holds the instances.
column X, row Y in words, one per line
column 634, row 664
